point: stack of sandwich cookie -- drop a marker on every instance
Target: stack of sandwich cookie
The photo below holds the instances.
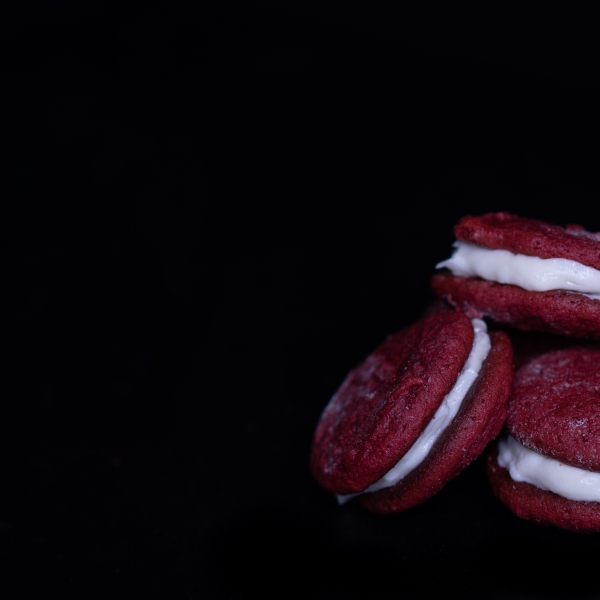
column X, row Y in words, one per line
column 525, row 274
column 415, row 413
column 546, row 468
column 427, row 401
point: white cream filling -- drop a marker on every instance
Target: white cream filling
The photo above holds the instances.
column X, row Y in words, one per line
column 546, row 473
column 528, row 272
column 441, row 419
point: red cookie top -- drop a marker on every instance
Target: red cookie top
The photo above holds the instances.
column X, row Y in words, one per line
column 555, row 406
column 530, row 237
column 384, row 404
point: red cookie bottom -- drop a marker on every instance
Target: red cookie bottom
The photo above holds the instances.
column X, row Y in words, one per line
column 558, row 312
column 540, row 506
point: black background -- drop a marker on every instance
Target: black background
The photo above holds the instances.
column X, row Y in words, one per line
column 212, row 212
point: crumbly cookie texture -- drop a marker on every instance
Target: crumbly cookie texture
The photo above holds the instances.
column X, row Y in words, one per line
column 384, row 404
column 554, row 411
column 530, row 237
column 542, row 507
column 479, row 421
column 555, row 406
column 562, row 313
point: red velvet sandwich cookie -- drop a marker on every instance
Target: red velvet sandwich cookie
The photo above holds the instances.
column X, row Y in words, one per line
column 546, row 469
column 526, row 274
column 415, row 413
